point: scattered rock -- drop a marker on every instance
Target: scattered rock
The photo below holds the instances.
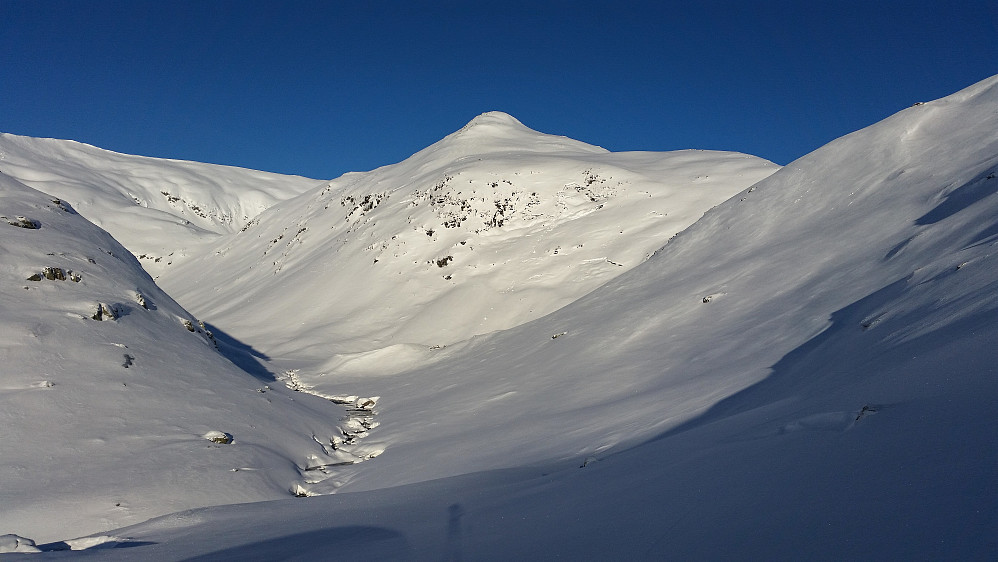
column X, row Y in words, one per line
column 104, row 312
column 220, row 437
column 62, row 205
column 208, row 334
column 56, row 274
column 23, row 222
column 53, row 273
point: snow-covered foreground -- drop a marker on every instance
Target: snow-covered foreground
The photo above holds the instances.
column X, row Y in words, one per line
column 808, row 371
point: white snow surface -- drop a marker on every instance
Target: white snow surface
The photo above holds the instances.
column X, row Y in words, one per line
column 162, row 210
column 491, row 227
column 109, row 390
column 806, row 372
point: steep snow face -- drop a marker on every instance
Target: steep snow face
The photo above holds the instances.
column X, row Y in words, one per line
column 490, row 227
column 114, row 402
column 160, row 209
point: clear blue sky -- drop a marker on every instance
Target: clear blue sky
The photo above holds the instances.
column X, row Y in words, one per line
column 322, row 88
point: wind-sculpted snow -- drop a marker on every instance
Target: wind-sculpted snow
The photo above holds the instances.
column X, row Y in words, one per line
column 113, row 398
column 491, row 227
column 160, row 209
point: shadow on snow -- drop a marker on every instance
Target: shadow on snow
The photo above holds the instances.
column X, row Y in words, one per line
column 242, row 355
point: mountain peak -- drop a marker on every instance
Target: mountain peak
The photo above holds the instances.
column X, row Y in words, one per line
column 493, row 120
column 496, row 131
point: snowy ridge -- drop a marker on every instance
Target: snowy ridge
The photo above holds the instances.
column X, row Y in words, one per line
column 159, row 208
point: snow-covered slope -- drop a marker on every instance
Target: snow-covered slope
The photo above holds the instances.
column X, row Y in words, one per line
column 160, row 209
column 811, row 367
column 490, row 227
column 109, row 390
column 808, row 372
column 902, row 214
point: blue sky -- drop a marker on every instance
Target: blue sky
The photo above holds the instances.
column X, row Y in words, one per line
column 322, row 88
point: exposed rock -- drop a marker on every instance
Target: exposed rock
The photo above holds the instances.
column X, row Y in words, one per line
column 53, row 273
column 104, row 312
column 208, row 333
column 23, row 222
column 56, row 274
column 219, row 437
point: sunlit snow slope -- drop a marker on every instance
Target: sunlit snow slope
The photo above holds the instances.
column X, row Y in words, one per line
column 808, row 372
column 901, row 214
column 162, row 210
column 490, row 227
column 109, row 390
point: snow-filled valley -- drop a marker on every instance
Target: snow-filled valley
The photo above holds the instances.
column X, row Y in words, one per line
column 511, row 344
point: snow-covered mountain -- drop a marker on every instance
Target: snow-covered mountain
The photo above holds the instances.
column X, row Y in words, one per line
column 808, row 371
column 493, row 226
column 160, row 209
